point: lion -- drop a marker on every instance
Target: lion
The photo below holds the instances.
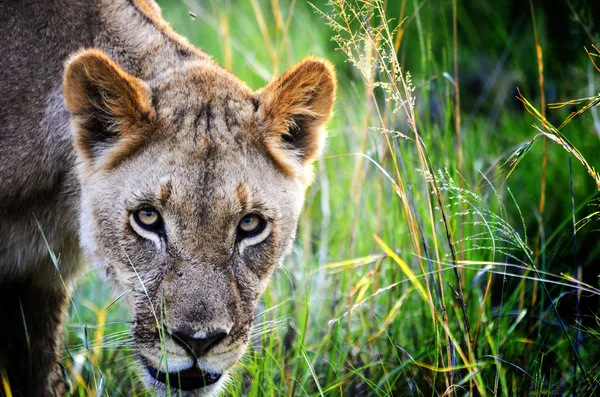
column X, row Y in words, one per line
column 123, row 145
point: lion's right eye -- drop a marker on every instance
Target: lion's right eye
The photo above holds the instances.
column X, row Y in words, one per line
column 148, row 218
column 148, row 223
column 251, row 225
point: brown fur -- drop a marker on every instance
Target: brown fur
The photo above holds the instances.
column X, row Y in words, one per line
column 37, row 372
column 103, row 97
column 104, row 111
column 296, row 106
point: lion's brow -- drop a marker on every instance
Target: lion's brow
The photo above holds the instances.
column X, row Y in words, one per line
column 243, row 197
column 165, row 192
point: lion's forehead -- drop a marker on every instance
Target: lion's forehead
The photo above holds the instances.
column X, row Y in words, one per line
column 199, row 103
column 225, row 119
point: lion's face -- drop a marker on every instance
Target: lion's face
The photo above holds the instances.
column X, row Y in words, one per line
column 195, row 235
column 191, row 191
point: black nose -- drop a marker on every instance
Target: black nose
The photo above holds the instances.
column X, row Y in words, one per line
column 199, row 346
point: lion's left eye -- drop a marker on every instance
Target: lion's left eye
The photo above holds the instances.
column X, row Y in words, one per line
column 251, row 225
column 148, row 218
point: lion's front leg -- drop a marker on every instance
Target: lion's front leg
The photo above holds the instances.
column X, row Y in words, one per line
column 31, row 319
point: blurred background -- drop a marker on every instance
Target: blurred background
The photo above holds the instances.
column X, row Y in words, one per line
column 447, row 246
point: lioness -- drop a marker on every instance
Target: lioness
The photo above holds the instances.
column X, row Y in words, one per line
column 118, row 136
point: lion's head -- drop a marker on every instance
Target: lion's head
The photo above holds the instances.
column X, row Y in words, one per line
column 191, row 189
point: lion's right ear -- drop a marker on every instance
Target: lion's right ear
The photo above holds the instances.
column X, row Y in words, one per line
column 112, row 110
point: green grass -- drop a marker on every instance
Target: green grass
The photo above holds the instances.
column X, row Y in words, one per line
column 413, row 273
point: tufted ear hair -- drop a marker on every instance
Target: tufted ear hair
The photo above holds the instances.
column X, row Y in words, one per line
column 112, row 110
column 295, row 107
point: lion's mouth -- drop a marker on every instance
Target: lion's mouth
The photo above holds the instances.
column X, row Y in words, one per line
column 189, row 379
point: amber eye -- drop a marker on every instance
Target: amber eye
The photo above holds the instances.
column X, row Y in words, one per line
column 251, row 225
column 148, row 218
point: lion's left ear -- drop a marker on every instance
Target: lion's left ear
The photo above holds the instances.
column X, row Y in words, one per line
column 295, row 107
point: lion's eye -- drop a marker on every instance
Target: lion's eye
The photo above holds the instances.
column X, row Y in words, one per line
column 251, row 225
column 148, row 218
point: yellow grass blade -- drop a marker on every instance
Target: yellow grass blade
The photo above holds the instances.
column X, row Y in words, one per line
column 404, row 266
column 6, row 386
column 392, row 314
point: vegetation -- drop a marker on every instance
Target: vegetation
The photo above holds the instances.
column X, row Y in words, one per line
column 447, row 246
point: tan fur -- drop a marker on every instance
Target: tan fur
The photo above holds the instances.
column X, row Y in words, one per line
column 139, row 118
column 94, row 84
column 305, row 94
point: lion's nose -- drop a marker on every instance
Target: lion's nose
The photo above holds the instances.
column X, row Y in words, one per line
column 199, row 344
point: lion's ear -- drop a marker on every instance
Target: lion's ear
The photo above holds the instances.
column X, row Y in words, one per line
column 296, row 106
column 112, row 110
